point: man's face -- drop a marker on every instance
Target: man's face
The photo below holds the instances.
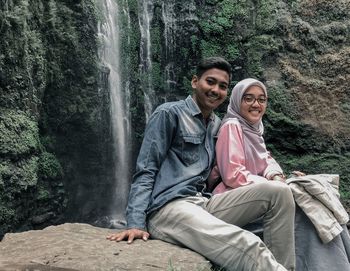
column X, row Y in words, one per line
column 210, row 90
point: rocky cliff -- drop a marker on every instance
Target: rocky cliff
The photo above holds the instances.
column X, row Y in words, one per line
column 85, row 248
column 56, row 163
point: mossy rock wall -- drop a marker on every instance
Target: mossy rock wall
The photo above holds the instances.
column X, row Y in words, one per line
column 54, row 124
column 299, row 49
column 56, row 162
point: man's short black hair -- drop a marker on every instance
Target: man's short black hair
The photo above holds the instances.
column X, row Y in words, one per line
column 213, row 62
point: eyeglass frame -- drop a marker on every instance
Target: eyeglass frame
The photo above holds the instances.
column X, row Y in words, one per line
column 255, row 99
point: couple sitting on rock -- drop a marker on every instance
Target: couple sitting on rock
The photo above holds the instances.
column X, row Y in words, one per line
column 192, row 191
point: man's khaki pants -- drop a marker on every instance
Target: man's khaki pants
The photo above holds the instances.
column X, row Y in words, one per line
column 212, row 227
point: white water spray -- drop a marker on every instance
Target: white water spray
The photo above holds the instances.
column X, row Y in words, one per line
column 173, row 28
column 145, row 55
column 109, row 34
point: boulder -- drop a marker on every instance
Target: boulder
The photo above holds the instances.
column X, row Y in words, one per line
column 74, row 246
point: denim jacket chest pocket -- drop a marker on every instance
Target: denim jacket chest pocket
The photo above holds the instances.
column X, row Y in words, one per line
column 191, row 147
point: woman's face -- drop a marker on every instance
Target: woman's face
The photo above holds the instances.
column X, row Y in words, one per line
column 253, row 104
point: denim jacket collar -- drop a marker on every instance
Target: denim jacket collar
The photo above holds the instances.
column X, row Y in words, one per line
column 195, row 111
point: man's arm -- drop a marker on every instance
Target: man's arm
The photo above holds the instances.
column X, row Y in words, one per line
column 157, row 140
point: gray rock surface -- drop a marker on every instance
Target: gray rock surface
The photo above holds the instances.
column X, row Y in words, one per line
column 84, row 247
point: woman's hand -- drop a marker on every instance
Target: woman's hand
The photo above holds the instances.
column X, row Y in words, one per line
column 298, row 173
column 279, row 177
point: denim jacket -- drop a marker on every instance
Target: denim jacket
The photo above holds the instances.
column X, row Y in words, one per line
column 175, row 159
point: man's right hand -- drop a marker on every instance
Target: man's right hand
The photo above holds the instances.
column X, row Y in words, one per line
column 129, row 235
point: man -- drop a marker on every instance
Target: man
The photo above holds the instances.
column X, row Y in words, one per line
column 168, row 197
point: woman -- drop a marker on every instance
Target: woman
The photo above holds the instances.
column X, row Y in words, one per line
column 242, row 159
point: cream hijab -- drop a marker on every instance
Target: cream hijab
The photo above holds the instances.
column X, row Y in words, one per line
column 254, row 145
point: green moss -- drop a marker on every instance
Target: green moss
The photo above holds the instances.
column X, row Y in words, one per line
column 22, row 61
column 48, row 87
column 186, row 82
column 22, row 173
column 19, row 134
column 281, row 101
column 210, row 48
column 5, row 173
column 156, row 45
column 43, row 194
column 224, row 15
column 210, row 27
column 157, row 79
column 266, row 16
column 6, row 215
column 232, row 52
column 49, row 166
column 242, row 32
column 258, row 49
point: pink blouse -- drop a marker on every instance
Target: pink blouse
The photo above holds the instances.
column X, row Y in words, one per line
column 238, row 165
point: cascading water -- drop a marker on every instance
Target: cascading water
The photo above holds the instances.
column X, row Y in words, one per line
column 109, row 54
column 176, row 16
column 126, row 81
column 145, row 55
column 115, row 17
column 169, row 19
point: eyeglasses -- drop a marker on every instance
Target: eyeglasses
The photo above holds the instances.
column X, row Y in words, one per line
column 250, row 99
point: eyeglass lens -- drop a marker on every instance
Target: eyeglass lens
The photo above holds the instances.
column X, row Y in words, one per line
column 250, row 99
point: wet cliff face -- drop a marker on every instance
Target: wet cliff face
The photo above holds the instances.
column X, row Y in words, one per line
column 299, row 49
column 307, row 124
column 53, row 121
column 56, row 160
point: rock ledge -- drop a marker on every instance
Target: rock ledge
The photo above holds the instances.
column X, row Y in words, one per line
column 84, row 247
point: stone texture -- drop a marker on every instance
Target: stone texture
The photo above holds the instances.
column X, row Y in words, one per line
column 84, row 247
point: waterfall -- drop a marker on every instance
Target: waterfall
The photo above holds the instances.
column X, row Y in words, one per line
column 114, row 24
column 176, row 17
column 169, row 19
column 109, row 34
column 145, row 55
column 126, row 80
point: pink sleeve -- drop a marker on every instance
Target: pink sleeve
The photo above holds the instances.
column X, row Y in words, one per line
column 230, row 156
column 272, row 168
